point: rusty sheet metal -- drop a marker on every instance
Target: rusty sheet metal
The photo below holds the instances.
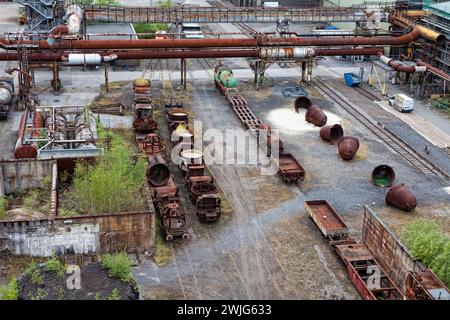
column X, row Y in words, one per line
column 316, row 116
column 425, row 286
column 391, row 254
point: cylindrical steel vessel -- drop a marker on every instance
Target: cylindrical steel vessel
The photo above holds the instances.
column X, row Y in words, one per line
column 302, row 102
column 400, row 197
column 157, row 171
column 383, row 176
column 316, row 116
column 30, row 150
column 332, row 133
column 347, row 147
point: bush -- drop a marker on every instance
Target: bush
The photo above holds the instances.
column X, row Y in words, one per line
column 34, row 273
column 11, row 291
column 141, row 27
column 3, row 207
column 55, row 266
column 32, row 199
column 113, row 184
column 429, row 244
column 117, row 265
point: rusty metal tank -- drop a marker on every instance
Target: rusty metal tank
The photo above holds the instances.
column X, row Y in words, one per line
column 29, row 127
column 383, row 176
column 157, row 171
column 316, row 116
column 347, row 147
column 302, row 103
column 400, row 197
column 332, row 133
column 190, row 157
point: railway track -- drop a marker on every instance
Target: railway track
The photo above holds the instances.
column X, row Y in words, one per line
column 369, row 95
column 394, row 142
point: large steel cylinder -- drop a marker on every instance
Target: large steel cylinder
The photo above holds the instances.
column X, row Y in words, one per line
column 383, row 176
column 400, row 197
column 157, row 171
column 30, row 123
column 302, row 102
column 6, row 91
column 347, row 147
column 316, row 116
column 332, row 133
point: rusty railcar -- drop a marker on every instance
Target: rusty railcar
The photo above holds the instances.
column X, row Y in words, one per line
column 328, row 221
column 424, row 285
column 289, row 169
column 366, row 274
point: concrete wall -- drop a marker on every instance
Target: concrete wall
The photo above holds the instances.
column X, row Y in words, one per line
column 132, row 232
column 390, row 253
column 18, row 175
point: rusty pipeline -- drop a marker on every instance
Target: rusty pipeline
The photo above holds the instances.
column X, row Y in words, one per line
column 347, row 147
column 434, row 70
column 72, row 44
column 316, row 116
column 424, row 32
column 157, row 171
column 383, row 176
column 399, row 67
column 401, row 198
column 28, row 150
column 332, row 133
column 302, row 103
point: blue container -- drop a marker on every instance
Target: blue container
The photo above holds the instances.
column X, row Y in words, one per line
column 351, row 79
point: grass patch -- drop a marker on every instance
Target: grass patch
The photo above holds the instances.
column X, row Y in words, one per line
column 118, row 265
column 163, row 254
column 113, row 184
column 115, row 295
column 429, row 244
column 3, row 207
column 142, row 27
column 54, row 265
column 11, row 291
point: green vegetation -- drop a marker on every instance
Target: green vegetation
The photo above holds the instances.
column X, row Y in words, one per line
column 40, row 294
column 11, row 291
column 34, row 273
column 3, row 207
column 430, row 245
column 118, row 265
column 115, row 295
column 152, row 27
column 32, row 199
column 113, row 184
column 55, row 266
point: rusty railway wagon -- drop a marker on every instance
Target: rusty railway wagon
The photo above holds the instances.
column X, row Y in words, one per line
column 143, row 122
column 424, row 285
column 364, row 271
column 289, row 169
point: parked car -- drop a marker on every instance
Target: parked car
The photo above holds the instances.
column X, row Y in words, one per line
column 192, row 31
column 401, row 102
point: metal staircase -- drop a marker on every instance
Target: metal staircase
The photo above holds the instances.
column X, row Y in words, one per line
column 42, row 15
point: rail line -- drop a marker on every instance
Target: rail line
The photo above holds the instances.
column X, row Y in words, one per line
column 398, row 145
column 369, row 95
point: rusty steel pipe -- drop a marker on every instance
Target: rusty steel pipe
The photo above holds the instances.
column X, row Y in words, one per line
column 383, row 176
column 215, row 43
column 157, row 171
column 302, row 103
column 400, row 197
column 316, row 116
column 349, row 51
column 347, row 147
column 424, row 32
column 332, row 133
column 435, row 70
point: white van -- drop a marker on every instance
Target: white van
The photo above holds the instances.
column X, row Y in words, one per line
column 402, row 102
column 192, row 31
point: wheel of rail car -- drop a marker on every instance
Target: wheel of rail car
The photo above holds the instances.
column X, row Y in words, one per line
column 186, row 236
column 169, row 237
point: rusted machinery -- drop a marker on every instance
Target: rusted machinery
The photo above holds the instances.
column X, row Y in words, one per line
column 143, row 122
column 424, row 285
column 400, row 197
column 289, row 169
column 31, row 122
column 302, row 103
column 383, row 176
column 366, row 274
column 347, row 147
column 332, row 133
column 202, row 191
column 316, row 116
column 6, row 96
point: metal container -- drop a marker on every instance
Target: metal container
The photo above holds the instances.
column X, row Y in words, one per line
column 332, row 133
column 302, row 102
column 157, row 171
column 400, row 197
column 190, row 157
column 6, row 91
column 167, row 192
column 141, row 82
column 383, row 176
column 347, row 147
column 316, row 116
column 29, row 126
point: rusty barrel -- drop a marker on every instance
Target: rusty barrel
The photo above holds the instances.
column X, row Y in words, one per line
column 157, row 171
column 302, row 103
column 400, row 197
column 383, row 176
column 316, row 116
column 332, row 133
column 347, row 147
